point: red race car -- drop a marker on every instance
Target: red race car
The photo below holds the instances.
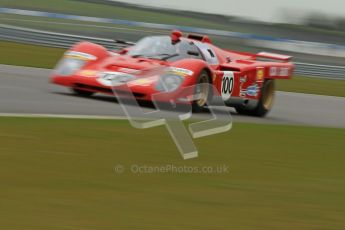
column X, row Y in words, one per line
column 168, row 64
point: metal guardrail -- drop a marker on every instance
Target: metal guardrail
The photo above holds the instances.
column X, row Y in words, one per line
column 321, row 71
column 51, row 39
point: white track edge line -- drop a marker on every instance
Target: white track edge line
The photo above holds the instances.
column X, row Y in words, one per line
column 69, row 116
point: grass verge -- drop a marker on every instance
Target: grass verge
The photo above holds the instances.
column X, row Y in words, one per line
column 58, row 174
column 46, row 57
column 313, row 86
column 29, row 55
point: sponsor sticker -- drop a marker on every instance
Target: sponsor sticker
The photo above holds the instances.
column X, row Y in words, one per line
column 284, row 72
column 80, row 55
column 214, row 77
column 180, row 72
column 227, row 85
column 260, row 74
column 273, row 71
column 279, row 71
column 252, row 90
column 87, row 73
column 242, row 81
column 143, row 81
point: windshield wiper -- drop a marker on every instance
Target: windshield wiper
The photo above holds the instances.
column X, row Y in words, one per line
column 165, row 56
column 170, row 56
column 137, row 55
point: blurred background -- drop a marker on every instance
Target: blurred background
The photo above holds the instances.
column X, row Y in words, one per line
column 307, row 30
column 286, row 170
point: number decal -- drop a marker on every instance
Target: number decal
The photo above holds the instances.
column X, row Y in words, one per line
column 227, row 85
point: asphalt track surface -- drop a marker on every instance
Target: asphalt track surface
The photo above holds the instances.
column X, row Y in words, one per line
column 27, row 91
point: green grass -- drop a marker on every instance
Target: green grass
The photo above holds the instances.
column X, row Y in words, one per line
column 58, row 174
column 29, row 55
column 313, row 86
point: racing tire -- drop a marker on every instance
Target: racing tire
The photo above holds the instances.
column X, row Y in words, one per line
column 82, row 93
column 265, row 102
column 204, row 90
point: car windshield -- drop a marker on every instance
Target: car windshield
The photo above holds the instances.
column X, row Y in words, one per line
column 161, row 47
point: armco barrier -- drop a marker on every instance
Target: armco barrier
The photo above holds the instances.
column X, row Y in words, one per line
column 45, row 38
column 321, row 71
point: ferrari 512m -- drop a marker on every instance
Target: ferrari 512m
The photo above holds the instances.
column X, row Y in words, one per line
column 244, row 81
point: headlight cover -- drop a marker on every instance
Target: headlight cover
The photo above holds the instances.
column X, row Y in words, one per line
column 69, row 66
column 169, row 83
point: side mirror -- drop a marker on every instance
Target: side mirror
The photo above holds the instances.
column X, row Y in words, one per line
column 123, row 51
column 175, row 36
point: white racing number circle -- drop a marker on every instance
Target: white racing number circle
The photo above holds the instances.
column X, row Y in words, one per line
column 227, row 85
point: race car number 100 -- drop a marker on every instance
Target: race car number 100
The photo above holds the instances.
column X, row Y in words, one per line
column 227, row 85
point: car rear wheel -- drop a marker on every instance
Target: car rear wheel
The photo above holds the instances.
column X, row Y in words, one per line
column 82, row 93
column 203, row 90
column 265, row 102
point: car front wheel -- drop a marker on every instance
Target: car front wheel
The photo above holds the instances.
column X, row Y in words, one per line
column 203, row 90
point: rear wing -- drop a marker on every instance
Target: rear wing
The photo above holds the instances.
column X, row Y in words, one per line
column 273, row 56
